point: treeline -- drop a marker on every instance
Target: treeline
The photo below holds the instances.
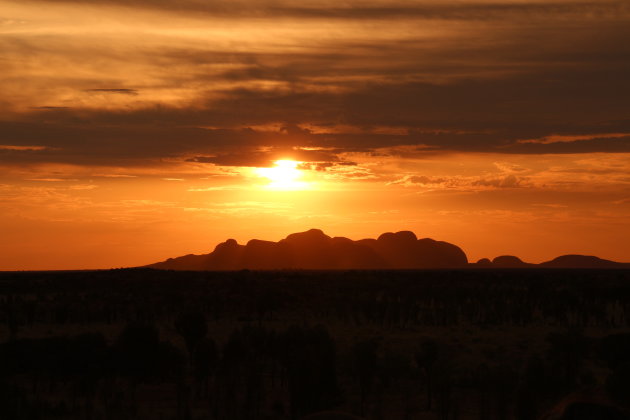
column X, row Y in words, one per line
column 561, row 298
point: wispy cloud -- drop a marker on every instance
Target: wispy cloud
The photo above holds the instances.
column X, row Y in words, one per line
column 83, row 187
column 114, row 90
column 222, row 188
column 52, row 179
column 19, row 148
column 573, row 138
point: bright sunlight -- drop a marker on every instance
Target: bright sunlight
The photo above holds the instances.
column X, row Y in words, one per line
column 284, row 175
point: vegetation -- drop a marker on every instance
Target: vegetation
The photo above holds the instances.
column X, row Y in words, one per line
column 444, row 345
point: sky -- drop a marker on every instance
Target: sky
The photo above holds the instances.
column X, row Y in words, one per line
column 131, row 132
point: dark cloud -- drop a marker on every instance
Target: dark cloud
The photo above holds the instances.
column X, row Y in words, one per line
column 114, row 90
column 135, row 138
column 311, row 159
column 252, row 159
column 609, row 145
column 328, row 10
column 459, row 11
column 482, row 90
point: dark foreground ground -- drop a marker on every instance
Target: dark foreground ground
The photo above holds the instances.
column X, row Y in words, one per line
column 444, row 345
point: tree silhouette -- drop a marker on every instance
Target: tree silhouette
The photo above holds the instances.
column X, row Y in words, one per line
column 204, row 364
column 618, row 384
column 141, row 356
column 568, row 351
column 533, row 383
column 309, row 356
column 192, row 326
column 365, row 363
column 426, row 357
column 614, row 349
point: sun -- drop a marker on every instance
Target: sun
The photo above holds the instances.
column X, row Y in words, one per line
column 285, row 175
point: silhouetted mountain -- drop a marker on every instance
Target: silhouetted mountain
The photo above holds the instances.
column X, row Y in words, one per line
column 314, row 249
column 484, row 262
column 509, row 261
column 582, row 261
column 564, row 261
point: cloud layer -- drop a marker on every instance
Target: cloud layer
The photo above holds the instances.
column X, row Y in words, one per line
column 140, row 82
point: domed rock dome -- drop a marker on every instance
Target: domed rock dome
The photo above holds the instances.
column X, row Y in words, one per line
column 508, row 261
column 484, row 262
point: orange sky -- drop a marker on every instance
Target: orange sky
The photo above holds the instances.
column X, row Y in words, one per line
column 130, row 134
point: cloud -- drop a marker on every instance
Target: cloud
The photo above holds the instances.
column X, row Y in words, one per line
column 375, row 10
column 17, row 148
column 251, row 159
column 509, row 181
column 49, row 107
column 310, row 158
column 460, row 182
column 84, row 187
column 353, row 173
column 113, row 90
column 221, row 188
column 573, row 138
column 51, row 179
column 550, row 205
column 411, row 180
column 422, row 78
column 510, row 167
column 115, row 175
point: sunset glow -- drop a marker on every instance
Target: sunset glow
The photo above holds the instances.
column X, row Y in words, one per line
column 131, row 132
column 281, row 209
